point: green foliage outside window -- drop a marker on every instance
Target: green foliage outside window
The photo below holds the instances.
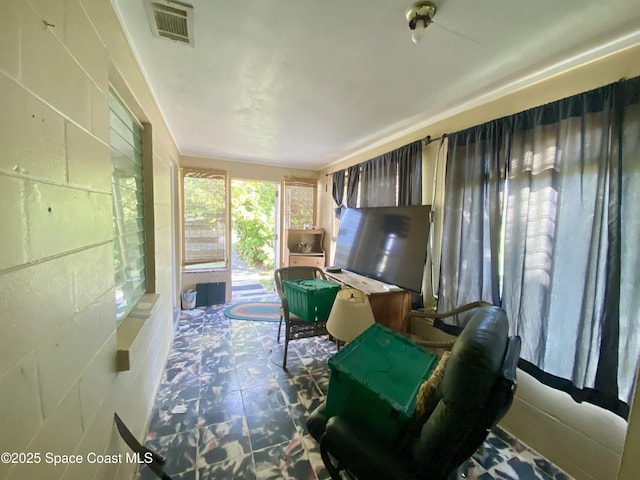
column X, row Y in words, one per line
column 253, row 219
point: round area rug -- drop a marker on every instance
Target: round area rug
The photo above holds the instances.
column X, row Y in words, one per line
column 255, row 311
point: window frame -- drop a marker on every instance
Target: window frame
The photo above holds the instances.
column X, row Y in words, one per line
column 298, row 182
column 146, row 159
column 285, row 215
column 212, row 173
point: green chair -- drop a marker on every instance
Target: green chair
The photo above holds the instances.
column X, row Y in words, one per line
column 296, row 327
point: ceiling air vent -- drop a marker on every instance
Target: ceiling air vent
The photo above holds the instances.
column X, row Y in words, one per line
column 171, row 19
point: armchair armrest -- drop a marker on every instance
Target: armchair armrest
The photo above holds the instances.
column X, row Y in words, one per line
column 284, row 304
column 447, row 344
column 432, row 317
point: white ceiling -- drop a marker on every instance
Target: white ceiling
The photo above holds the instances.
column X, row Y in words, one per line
column 304, row 83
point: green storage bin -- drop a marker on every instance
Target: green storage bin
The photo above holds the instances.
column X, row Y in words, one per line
column 375, row 379
column 310, row 299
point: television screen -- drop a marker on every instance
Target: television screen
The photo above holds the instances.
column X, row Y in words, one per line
column 385, row 243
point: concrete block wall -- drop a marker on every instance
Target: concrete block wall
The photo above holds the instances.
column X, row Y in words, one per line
column 59, row 387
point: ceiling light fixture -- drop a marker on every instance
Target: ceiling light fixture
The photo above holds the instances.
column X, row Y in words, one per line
column 420, row 16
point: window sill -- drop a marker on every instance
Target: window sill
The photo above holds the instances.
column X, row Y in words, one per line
column 130, row 328
column 205, row 270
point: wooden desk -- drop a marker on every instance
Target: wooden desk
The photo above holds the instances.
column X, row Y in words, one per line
column 389, row 306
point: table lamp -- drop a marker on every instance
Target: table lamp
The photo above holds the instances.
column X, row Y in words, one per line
column 350, row 315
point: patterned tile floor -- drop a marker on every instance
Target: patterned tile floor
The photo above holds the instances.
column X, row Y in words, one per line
column 226, row 410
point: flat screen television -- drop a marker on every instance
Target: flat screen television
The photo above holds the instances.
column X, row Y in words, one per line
column 388, row 244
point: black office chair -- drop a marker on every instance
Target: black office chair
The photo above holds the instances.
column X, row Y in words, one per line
column 475, row 392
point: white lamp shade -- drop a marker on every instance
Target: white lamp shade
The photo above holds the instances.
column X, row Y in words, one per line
column 350, row 315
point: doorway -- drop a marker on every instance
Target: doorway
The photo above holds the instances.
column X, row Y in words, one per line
column 253, row 235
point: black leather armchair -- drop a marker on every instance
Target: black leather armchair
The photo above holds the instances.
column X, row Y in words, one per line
column 476, row 391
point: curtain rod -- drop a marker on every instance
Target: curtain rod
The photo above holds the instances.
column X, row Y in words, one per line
column 429, row 140
column 426, row 139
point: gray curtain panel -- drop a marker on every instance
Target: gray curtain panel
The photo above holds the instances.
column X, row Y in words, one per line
column 540, row 218
column 394, row 178
column 353, row 182
column 337, row 191
column 629, row 221
column 556, row 238
column 410, row 174
column 474, row 184
column 378, row 182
